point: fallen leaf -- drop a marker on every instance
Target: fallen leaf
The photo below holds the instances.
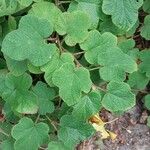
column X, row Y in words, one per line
column 99, row 126
column 112, row 135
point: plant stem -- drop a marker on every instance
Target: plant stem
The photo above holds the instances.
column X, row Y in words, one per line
column 57, row 96
column 100, row 88
column 142, row 91
column 42, row 148
column 56, row 2
column 96, row 68
column 52, row 123
column 79, row 53
column 77, row 62
column 59, row 44
column 52, row 39
column 37, row 119
column 63, row 2
column 3, row 132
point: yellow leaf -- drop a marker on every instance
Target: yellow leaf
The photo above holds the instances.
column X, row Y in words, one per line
column 96, row 119
column 102, row 130
column 99, row 126
column 112, row 135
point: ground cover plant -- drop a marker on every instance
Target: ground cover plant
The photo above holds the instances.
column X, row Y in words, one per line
column 62, row 62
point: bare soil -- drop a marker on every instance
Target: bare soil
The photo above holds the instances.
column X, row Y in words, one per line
column 132, row 133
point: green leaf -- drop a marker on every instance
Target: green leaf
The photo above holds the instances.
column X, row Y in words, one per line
column 25, row 2
column 27, row 102
column 72, row 131
column 34, row 69
column 107, row 26
column 64, row 110
column 112, row 73
column 7, row 7
column 9, row 25
column 97, row 43
column 103, row 50
column 118, row 97
column 38, row 1
column 2, row 64
column 68, row 60
column 6, row 27
column 124, row 12
column 18, row 96
column 144, row 65
column 56, row 145
column 26, row 130
column 7, row 145
column 5, row 129
column 16, row 67
column 95, row 77
column 126, row 45
column 54, row 64
column 131, row 32
column 145, row 30
column 71, row 82
column 138, row 80
column 147, row 101
column 89, row 105
column 32, row 31
column 45, row 95
column 22, row 82
column 9, row 114
column 148, row 121
column 75, row 25
column 90, row 1
column 146, row 6
column 50, row 13
column 1, row 35
column 93, row 10
column 3, row 74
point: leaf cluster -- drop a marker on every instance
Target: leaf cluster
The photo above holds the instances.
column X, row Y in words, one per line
column 61, row 62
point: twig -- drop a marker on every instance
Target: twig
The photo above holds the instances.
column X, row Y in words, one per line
column 111, row 121
column 129, row 131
